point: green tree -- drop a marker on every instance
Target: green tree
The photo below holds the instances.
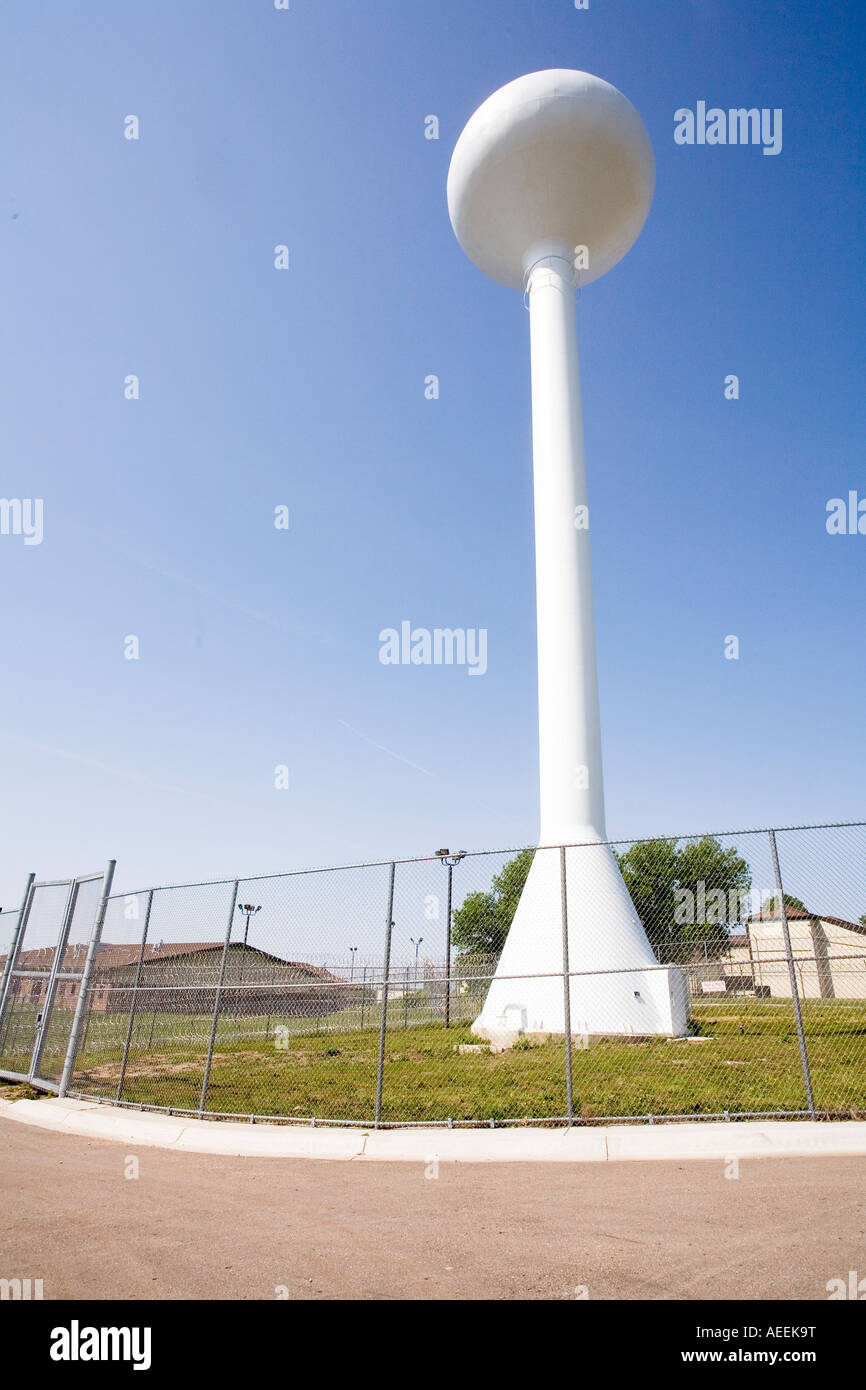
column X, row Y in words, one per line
column 719, row 881
column 649, row 869
column 686, row 897
column 481, row 923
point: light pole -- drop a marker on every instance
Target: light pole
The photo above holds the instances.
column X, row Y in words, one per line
column 351, row 1001
column 417, row 945
column 449, row 860
column 249, row 910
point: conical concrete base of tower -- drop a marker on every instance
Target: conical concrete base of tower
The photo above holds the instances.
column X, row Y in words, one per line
column 616, row 985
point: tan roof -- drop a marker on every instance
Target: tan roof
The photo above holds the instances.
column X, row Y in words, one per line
column 797, row 913
column 42, row 958
column 116, row 957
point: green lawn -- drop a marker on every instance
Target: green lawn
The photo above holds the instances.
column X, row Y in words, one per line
column 747, row 1060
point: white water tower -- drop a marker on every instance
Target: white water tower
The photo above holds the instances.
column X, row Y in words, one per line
column 550, row 184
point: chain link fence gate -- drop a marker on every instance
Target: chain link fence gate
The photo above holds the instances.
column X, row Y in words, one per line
column 45, row 978
column 347, row 995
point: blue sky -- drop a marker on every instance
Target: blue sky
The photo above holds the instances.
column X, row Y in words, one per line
column 305, row 388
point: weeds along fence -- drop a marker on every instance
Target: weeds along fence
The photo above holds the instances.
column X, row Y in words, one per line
column 348, row 995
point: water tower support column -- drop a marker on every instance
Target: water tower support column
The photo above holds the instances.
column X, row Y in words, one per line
column 622, row 990
column 571, row 781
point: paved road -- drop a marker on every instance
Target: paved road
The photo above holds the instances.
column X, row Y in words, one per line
column 200, row 1226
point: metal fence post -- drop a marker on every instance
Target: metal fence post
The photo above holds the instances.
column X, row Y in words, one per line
column 792, row 975
column 84, row 986
column 566, row 992
column 216, row 1002
column 134, row 1000
column 448, row 951
column 43, row 1015
column 386, row 975
column 23, row 913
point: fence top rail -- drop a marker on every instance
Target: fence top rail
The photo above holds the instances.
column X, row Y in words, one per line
column 62, row 883
column 470, row 854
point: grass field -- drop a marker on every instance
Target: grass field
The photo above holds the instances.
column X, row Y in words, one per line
column 744, row 1058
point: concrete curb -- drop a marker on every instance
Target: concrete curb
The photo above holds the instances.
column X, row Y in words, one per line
column 746, row 1139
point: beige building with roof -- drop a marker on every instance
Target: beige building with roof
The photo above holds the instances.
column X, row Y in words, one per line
column 829, row 956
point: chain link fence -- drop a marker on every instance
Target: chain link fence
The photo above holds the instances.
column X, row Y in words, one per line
column 348, row 995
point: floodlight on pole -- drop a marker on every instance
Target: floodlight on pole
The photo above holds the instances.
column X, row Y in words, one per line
column 450, row 861
column 550, row 184
column 249, row 910
column 417, row 945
